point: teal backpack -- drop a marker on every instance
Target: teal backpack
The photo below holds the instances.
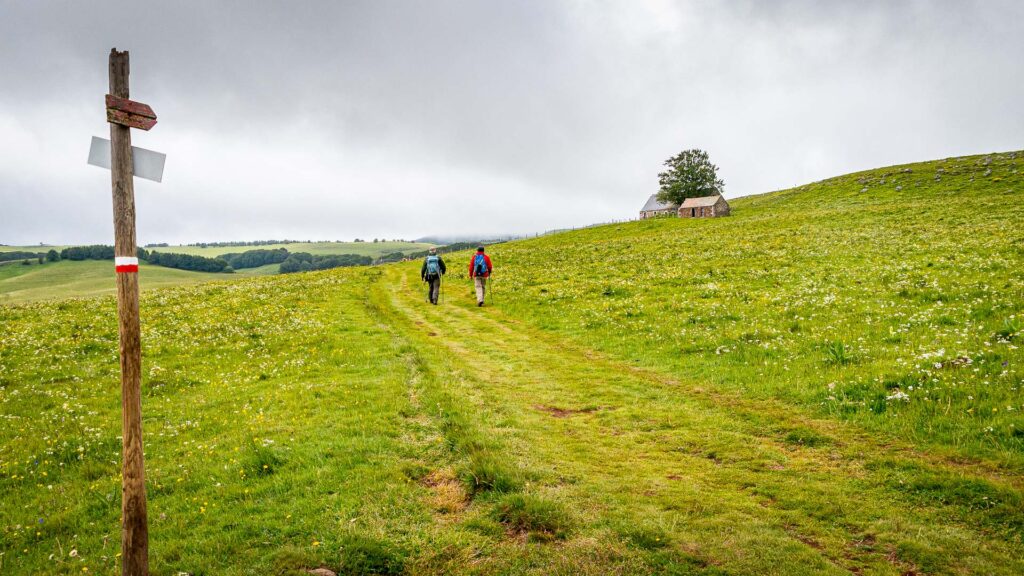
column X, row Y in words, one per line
column 433, row 268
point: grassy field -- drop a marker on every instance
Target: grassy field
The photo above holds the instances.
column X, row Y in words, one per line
column 55, row 280
column 316, row 248
column 827, row 382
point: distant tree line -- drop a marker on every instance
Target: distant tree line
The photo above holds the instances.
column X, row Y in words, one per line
column 227, row 263
column 255, row 258
column 265, row 243
column 392, row 257
column 303, row 262
column 189, row 262
column 93, row 252
column 166, row 259
column 248, row 243
column 453, row 247
column 10, row 256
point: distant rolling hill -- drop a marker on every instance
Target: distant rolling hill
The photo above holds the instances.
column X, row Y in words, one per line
column 85, row 278
column 37, row 248
column 20, row 283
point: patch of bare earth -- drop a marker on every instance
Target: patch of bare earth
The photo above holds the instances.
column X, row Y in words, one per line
column 447, row 495
column 564, row 412
column 847, row 561
column 906, row 568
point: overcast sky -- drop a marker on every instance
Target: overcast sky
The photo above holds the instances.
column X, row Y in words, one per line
column 335, row 120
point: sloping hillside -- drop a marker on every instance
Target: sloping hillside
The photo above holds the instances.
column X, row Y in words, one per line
column 827, row 382
column 894, row 297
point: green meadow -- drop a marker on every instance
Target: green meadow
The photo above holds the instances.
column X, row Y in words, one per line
column 826, row 382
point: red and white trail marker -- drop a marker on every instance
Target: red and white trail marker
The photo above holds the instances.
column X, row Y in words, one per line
column 124, row 264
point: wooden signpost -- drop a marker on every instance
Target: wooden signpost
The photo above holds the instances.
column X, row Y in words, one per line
column 127, row 113
column 123, row 114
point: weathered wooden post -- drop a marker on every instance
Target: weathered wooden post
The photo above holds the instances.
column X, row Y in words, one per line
column 123, row 114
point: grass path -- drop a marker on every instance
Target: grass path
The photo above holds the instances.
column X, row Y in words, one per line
column 659, row 474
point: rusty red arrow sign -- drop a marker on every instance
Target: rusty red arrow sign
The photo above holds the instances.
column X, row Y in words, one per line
column 129, row 113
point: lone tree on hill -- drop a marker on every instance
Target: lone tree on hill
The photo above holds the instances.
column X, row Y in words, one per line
column 690, row 174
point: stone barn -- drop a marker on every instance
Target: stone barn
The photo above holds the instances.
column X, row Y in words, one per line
column 704, row 207
column 654, row 208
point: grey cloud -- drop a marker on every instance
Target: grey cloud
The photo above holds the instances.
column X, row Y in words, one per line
column 343, row 119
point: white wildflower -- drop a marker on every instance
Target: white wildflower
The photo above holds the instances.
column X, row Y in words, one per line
column 898, row 395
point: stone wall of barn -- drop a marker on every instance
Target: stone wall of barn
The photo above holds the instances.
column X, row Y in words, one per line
column 720, row 208
column 700, row 212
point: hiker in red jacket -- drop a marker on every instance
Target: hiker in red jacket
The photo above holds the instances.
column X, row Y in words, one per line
column 479, row 270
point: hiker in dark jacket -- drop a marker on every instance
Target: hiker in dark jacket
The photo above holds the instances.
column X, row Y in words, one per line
column 431, row 272
column 479, row 270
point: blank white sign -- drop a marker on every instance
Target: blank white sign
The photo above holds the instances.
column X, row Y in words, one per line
column 148, row 164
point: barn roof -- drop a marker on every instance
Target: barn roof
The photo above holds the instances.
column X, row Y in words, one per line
column 653, row 204
column 700, row 202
